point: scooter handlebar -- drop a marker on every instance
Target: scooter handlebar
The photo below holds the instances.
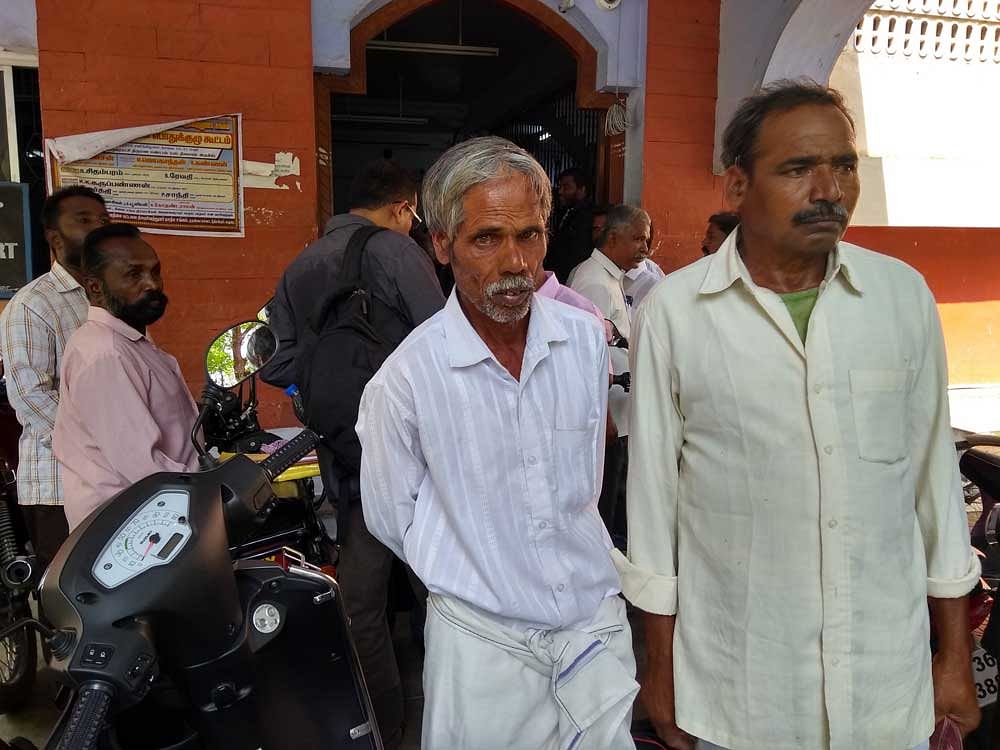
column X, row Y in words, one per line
column 86, row 722
column 285, row 457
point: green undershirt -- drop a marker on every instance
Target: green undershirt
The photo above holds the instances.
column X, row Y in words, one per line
column 800, row 305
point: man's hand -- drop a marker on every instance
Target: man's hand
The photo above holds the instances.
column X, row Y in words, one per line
column 657, row 689
column 658, row 699
column 951, row 669
column 955, row 691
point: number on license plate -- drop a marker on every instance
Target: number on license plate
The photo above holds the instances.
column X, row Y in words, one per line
column 984, row 671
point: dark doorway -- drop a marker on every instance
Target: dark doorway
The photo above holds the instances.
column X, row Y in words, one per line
column 454, row 70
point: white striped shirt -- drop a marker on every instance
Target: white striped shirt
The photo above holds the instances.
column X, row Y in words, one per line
column 487, row 487
column 34, row 328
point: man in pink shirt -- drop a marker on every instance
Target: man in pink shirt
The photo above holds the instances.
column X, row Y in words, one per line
column 547, row 285
column 125, row 412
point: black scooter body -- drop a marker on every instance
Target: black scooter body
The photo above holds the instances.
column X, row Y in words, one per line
column 186, row 629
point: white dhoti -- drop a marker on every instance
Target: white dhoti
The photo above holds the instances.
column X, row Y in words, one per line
column 488, row 686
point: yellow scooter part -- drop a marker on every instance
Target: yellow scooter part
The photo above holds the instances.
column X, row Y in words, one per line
column 299, row 471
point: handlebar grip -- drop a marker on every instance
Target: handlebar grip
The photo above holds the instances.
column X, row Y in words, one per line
column 83, row 729
column 286, row 456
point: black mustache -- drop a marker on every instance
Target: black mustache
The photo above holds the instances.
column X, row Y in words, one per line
column 822, row 211
column 150, row 298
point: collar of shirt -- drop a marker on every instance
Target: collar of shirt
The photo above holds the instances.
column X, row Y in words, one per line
column 345, row 220
column 465, row 347
column 62, row 279
column 102, row 317
column 550, row 287
column 726, row 267
column 607, row 264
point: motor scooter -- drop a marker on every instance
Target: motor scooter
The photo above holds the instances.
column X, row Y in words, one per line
column 166, row 643
column 227, row 425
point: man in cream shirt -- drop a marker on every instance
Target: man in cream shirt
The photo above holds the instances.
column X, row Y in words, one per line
column 794, row 500
column 621, row 247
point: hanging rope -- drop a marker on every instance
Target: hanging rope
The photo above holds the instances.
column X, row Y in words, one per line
column 616, row 120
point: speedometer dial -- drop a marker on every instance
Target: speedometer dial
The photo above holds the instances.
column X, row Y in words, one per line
column 152, row 536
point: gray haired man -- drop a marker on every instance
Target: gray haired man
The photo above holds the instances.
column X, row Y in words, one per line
column 482, row 440
column 622, row 245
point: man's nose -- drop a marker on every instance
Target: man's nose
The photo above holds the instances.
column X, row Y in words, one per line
column 825, row 185
column 513, row 258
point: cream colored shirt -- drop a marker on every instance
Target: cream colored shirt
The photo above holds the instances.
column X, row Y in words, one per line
column 601, row 281
column 795, row 503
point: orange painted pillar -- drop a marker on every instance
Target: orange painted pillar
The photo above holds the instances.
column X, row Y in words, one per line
column 120, row 63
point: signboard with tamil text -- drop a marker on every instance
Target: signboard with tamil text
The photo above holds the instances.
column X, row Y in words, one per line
column 175, row 178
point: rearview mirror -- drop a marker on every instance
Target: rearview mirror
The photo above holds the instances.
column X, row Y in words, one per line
column 239, row 352
column 264, row 314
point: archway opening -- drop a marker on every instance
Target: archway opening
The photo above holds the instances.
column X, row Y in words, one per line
column 451, row 70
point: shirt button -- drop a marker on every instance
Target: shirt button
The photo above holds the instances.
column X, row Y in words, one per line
column 561, row 587
column 532, row 460
column 542, row 524
column 833, row 524
column 817, row 388
column 835, row 662
column 828, row 450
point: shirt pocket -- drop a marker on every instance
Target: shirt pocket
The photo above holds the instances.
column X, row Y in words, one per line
column 879, row 400
column 574, row 451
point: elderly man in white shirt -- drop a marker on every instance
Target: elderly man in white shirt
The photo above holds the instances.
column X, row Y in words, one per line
column 793, row 498
column 482, row 443
column 621, row 247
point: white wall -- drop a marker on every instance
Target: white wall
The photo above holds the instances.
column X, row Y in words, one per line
column 927, row 134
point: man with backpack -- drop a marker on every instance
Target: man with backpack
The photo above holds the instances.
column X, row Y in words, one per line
column 340, row 308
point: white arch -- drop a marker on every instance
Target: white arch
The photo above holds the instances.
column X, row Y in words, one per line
column 772, row 39
column 622, row 66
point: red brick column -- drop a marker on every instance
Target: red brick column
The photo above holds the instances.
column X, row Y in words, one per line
column 120, row 63
column 679, row 190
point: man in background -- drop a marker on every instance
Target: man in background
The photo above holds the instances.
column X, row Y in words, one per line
column 34, row 329
column 623, row 245
column 572, row 235
column 125, row 411
column 720, row 226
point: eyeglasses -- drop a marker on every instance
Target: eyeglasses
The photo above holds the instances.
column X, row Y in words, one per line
column 416, row 216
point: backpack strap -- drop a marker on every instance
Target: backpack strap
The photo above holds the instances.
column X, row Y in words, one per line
column 350, row 270
column 349, row 277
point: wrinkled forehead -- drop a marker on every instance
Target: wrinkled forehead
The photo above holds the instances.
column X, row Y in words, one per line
column 509, row 199
column 810, row 131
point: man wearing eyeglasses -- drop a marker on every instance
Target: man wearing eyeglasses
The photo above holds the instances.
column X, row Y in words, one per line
column 404, row 290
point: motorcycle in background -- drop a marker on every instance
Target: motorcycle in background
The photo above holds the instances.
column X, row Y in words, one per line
column 19, row 572
column 979, row 464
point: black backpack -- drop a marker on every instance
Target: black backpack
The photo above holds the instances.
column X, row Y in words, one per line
column 344, row 353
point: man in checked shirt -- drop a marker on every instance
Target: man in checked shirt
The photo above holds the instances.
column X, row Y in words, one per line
column 34, row 328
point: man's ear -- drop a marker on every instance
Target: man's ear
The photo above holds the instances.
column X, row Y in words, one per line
column 442, row 249
column 95, row 294
column 55, row 241
column 736, row 181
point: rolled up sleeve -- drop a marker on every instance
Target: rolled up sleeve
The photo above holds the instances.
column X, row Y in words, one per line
column 952, row 566
column 649, row 573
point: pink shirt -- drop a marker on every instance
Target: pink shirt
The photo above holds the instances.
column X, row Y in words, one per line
column 554, row 290
column 125, row 412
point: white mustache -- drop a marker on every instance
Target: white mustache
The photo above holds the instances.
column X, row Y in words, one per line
column 510, row 284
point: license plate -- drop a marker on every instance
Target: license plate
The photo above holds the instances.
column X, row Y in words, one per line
column 984, row 671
